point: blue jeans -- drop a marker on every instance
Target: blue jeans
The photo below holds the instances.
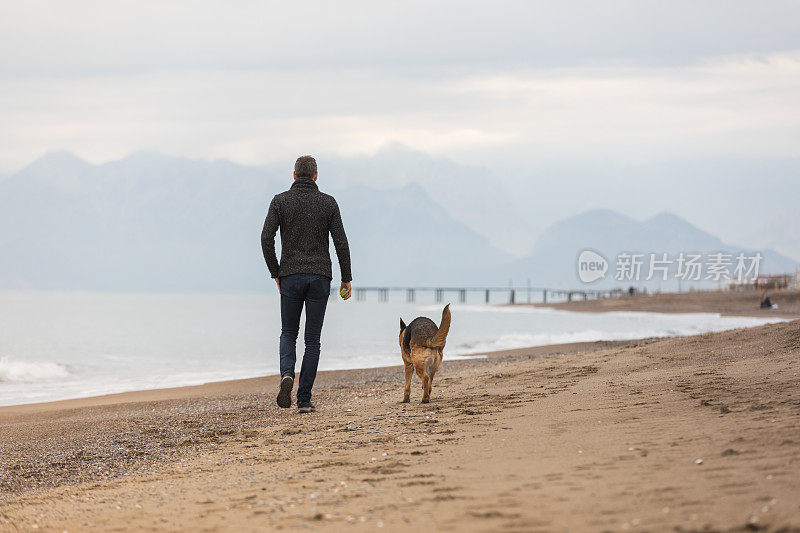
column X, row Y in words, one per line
column 313, row 291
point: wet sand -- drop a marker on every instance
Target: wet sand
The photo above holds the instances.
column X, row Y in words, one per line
column 686, row 434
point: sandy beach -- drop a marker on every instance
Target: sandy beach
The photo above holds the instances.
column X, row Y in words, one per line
column 726, row 303
column 685, row 434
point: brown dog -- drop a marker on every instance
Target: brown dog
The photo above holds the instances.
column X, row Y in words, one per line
column 422, row 344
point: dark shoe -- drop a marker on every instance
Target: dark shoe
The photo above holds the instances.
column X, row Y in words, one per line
column 285, row 394
column 305, row 407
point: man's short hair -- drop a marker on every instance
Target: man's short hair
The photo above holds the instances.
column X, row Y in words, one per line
column 305, row 167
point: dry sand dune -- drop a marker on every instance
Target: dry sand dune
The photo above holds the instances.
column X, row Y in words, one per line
column 688, row 434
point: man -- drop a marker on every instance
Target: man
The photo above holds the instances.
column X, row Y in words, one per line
column 305, row 216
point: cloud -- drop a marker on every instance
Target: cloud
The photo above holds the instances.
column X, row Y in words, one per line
column 257, row 82
column 89, row 37
column 733, row 105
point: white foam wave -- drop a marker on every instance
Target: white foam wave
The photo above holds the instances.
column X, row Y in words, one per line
column 30, row 371
column 524, row 340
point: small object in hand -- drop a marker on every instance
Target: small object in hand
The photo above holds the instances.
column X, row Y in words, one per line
column 343, row 293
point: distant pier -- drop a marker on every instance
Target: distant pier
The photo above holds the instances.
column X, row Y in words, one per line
column 509, row 295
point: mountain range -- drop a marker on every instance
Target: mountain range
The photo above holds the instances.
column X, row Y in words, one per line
column 554, row 259
column 150, row 222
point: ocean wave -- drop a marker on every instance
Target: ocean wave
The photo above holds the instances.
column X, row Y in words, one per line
column 524, row 340
column 31, row 371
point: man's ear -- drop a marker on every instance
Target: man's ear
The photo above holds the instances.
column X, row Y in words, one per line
column 316, row 174
column 294, row 176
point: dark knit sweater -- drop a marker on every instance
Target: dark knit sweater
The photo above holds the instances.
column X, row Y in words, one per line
column 305, row 216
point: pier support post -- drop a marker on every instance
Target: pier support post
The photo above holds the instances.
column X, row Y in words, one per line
column 511, row 297
column 410, row 295
column 544, row 296
column 462, row 295
column 487, row 296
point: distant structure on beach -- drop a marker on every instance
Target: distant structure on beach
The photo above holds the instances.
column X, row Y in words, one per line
column 512, row 293
column 762, row 283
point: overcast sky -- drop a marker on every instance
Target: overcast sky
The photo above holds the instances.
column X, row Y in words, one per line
column 258, row 82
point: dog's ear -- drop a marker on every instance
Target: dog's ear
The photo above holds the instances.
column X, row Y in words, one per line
column 402, row 325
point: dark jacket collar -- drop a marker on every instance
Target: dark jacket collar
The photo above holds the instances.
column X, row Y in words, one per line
column 304, row 183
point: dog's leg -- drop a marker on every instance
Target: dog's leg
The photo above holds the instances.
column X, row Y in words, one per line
column 427, row 378
column 409, row 373
column 426, row 388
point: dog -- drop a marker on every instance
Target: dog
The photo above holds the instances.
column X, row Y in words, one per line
column 422, row 347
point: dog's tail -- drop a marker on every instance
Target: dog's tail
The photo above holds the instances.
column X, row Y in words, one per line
column 438, row 340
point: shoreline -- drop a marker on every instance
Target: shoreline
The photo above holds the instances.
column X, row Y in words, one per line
column 258, row 383
column 724, row 303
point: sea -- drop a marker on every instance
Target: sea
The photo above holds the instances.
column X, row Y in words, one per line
column 60, row 345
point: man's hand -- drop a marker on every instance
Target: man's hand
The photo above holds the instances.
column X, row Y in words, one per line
column 278, row 283
column 345, row 290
